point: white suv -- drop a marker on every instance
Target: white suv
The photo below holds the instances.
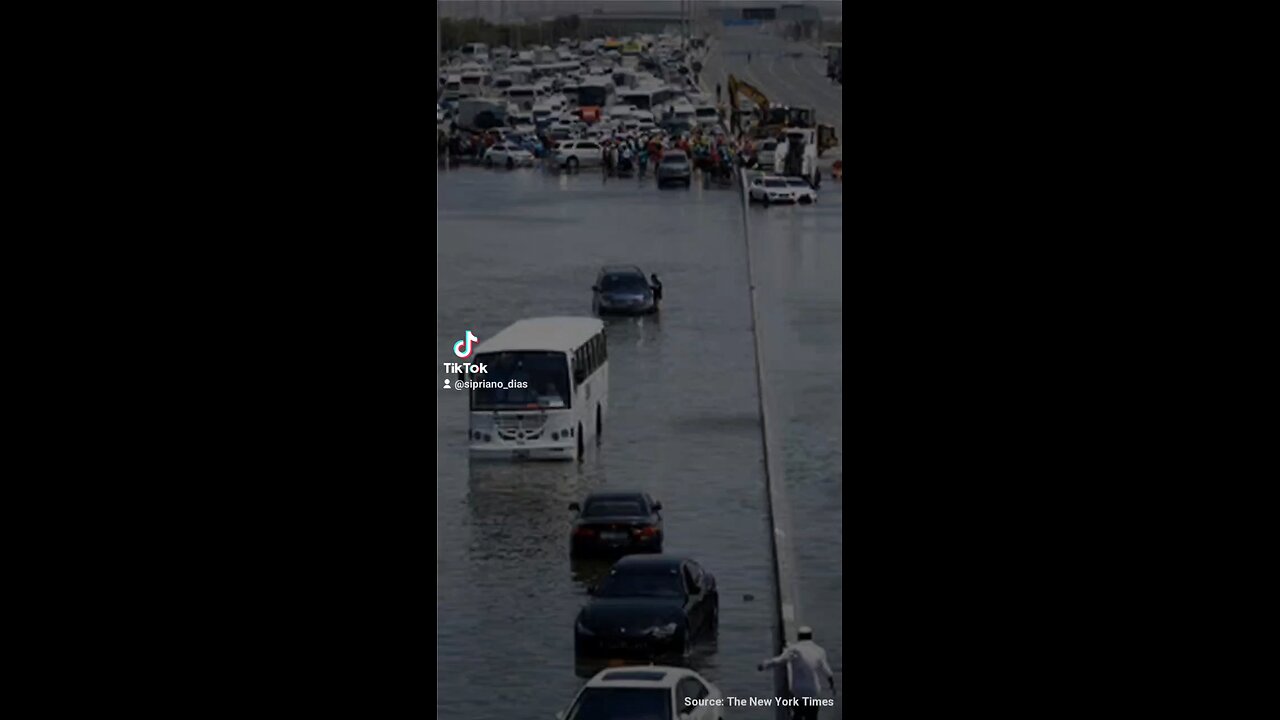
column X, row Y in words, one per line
column 573, row 154
column 647, row 691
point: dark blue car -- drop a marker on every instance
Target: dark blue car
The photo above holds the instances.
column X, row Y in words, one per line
column 623, row 290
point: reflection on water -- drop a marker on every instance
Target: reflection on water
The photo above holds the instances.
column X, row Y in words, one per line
column 587, row 572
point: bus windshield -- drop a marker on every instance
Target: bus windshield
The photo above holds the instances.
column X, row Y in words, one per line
column 545, row 376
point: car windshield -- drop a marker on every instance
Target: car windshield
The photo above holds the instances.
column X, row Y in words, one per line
column 774, row 183
column 771, row 145
column 602, row 703
column 674, row 160
column 623, row 282
column 657, row 583
column 537, row 380
column 615, row 508
column 797, row 182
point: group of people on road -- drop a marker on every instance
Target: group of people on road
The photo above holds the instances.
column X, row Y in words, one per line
column 625, row 153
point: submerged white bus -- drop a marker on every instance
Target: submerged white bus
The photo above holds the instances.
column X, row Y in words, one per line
column 545, row 390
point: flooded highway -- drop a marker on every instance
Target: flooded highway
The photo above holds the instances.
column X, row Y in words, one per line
column 683, row 424
column 796, row 256
column 683, row 421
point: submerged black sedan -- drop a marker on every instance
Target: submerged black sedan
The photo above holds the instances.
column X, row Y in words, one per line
column 649, row 606
column 616, row 523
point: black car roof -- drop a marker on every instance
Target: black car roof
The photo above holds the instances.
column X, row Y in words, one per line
column 650, row 561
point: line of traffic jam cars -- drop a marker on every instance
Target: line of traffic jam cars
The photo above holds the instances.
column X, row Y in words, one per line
column 649, row 607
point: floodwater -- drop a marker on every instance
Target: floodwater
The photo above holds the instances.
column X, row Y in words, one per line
column 683, row 420
column 797, row 258
column 683, row 424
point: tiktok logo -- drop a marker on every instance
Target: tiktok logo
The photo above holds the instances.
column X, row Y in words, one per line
column 460, row 350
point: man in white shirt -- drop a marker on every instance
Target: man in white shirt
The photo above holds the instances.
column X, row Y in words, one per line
column 806, row 659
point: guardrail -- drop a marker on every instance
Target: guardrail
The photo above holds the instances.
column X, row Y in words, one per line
column 784, row 561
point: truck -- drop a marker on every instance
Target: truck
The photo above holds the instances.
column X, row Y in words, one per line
column 773, row 119
column 797, row 155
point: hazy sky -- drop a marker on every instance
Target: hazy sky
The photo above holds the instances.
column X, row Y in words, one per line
column 496, row 10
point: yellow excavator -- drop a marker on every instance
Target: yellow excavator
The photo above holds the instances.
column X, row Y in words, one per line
column 739, row 89
column 773, row 119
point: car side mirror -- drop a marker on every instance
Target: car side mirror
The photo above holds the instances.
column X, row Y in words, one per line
column 595, row 288
column 575, row 507
column 657, row 506
column 591, row 589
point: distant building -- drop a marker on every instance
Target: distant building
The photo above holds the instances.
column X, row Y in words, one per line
column 800, row 21
column 759, row 13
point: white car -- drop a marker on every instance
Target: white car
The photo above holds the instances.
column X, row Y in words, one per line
column 771, row 189
column 646, row 691
column 573, row 154
column 805, row 194
column 508, row 155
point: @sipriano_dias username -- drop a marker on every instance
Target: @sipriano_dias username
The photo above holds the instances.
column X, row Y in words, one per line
column 492, row 385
